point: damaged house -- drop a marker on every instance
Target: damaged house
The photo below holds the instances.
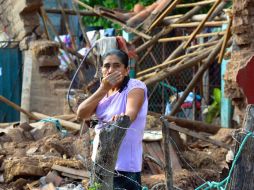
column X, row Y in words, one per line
column 194, row 57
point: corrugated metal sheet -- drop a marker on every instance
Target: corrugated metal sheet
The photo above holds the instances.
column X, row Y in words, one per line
column 10, row 82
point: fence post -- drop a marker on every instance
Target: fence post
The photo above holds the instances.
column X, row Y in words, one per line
column 243, row 173
column 168, row 168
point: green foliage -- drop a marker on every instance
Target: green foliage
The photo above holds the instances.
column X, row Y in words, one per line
column 214, row 108
column 96, row 186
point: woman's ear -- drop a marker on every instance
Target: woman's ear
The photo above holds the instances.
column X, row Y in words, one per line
column 128, row 71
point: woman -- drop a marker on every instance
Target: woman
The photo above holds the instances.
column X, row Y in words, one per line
column 120, row 95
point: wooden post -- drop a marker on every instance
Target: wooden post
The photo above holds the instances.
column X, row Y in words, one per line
column 168, row 169
column 243, row 173
column 110, row 140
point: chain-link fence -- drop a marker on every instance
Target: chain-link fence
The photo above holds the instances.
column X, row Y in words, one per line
column 160, row 93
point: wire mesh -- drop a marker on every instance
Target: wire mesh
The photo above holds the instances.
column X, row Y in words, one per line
column 158, row 94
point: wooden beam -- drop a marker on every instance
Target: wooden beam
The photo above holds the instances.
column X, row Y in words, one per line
column 198, row 136
column 115, row 21
column 198, row 126
column 203, row 45
column 65, row 124
column 166, row 12
column 226, row 38
column 212, row 56
column 41, row 12
column 66, row 23
column 198, row 29
column 18, row 108
column 70, row 12
column 167, row 29
column 183, row 38
column 72, row 65
column 168, row 63
column 158, row 76
column 82, row 173
column 195, row 4
column 195, row 24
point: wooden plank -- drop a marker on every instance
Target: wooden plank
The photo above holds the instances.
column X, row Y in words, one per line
column 198, row 136
column 153, row 167
column 66, row 124
column 71, row 171
column 198, row 29
column 195, row 4
column 72, row 176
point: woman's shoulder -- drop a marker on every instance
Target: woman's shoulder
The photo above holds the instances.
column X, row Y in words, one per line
column 134, row 83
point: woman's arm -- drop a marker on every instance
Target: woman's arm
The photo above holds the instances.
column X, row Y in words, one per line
column 135, row 101
column 87, row 108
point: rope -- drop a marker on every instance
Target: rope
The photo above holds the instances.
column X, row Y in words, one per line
column 224, row 183
column 57, row 124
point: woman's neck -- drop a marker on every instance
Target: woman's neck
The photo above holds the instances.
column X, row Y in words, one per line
column 113, row 90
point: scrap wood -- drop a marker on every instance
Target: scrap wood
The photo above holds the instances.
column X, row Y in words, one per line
column 226, row 38
column 18, row 108
column 167, row 29
column 212, row 56
column 206, row 2
column 83, row 30
column 156, row 161
column 82, row 27
column 67, row 26
column 164, row 73
column 72, row 176
column 70, row 12
column 198, row 126
column 169, row 63
column 39, row 116
column 66, row 124
column 157, row 8
column 81, row 173
column 42, row 14
column 164, row 13
column 198, row 136
column 199, row 28
column 195, row 24
column 195, row 18
column 115, row 21
column 32, row 185
column 72, row 65
column 181, row 38
column 203, row 45
column 4, row 125
column 66, row 117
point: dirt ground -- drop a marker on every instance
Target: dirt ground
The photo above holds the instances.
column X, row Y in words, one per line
column 28, row 153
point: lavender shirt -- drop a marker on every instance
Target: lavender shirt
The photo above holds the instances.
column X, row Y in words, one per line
column 130, row 152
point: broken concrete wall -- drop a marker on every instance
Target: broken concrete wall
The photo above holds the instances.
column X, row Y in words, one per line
column 243, row 50
column 20, row 19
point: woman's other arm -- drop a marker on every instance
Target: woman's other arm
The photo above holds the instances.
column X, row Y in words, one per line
column 135, row 101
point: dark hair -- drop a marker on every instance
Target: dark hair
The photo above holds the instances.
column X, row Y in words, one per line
column 119, row 53
column 124, row 60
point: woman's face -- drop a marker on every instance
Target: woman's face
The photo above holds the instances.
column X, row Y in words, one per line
column 111, row 64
